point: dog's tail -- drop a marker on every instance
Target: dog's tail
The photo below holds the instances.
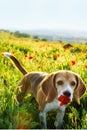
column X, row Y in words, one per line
column 15, row 61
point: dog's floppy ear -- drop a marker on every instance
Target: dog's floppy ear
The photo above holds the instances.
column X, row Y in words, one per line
column 48, row 88
column 79, row 90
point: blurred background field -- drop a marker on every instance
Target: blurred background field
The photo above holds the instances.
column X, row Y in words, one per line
column 37, row 54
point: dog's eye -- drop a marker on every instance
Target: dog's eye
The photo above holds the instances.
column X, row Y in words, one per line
column 73, row 83
column 60, row 82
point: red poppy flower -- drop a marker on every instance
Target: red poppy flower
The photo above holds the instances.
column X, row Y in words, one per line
column 12, row 52
column 3, row 54
column 56, row 56
column 86, row 66
column 25, row 55
column 64, row 100
column 73, row 62
column 30, row 57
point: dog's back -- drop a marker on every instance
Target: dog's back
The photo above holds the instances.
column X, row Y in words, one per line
column 30, row 83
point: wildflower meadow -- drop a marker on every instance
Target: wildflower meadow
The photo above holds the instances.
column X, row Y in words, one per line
column 38, row 55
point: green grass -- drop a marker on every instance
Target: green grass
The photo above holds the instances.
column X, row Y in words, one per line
column 39, row 55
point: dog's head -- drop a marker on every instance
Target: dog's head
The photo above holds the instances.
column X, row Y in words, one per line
column 63, row 83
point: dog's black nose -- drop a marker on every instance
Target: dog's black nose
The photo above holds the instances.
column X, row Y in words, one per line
column 67, row 93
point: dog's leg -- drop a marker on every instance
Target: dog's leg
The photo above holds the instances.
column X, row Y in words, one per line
column 42, row 116
column 59, row 119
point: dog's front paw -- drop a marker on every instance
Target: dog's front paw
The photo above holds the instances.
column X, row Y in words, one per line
column 58, row 126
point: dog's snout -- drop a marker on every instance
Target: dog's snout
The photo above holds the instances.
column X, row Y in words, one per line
column 67, row 93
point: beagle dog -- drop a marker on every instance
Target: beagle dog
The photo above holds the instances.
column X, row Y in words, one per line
column 47, row 88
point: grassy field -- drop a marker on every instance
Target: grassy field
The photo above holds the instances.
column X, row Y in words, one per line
column 39, row 55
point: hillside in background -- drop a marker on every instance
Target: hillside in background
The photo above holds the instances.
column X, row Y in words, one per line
column 64, row 35
column 54, row 35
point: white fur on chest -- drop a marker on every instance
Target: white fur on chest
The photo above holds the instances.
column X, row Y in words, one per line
column 54, row 106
